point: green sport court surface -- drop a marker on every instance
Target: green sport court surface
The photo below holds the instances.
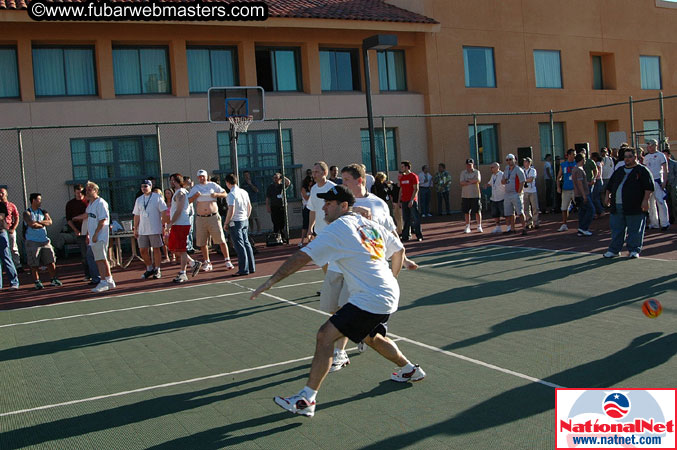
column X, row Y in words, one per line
column 496, row 329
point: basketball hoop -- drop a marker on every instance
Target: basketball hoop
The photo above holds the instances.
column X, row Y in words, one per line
column 240, row 123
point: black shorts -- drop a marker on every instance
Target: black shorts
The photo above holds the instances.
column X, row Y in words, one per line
column 497, row 210
column 470, row 205
column 305, row 214
column 356, row 324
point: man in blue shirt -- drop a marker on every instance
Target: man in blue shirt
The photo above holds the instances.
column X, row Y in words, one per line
column 565, row 186
column 39, row 250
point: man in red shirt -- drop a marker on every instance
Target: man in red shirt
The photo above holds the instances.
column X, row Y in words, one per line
column 409, row 201
column 12, row 221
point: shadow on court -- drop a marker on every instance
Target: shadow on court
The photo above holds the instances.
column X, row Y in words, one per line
column 124, row 334
column 558, row 315
column 643, row 353
column 149, row 409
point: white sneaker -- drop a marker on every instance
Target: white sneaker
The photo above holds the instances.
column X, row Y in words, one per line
column 497, row 230
column 467, row 229
column 229, row 265
column 414, row 375
column 584, row 232
column 296, row 404
column 633, row 255
column 340, row 361
column 611, row 255
column 14, row 287
column 180, row 278
column 207, row 266
column 111, row 284
column 479, row 229
column 101, row 287
column 361, row 347
column 564, row 227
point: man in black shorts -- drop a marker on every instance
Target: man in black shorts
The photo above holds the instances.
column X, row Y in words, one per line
column 470, row 180
column 360, row 248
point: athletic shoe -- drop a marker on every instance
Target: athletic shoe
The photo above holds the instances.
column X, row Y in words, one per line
column 633, row 255
column 180, row 278
column 148, row 274
column 480, row 230
column 467, row 229
column 38, row 285
column 497, row 230
column 653, row 227
column 56, row 282
column 401, row 376
column 101, row 287
column 207, row 266
column 509, row 231
column 111, row 284
column 564, row 227
column 157, row 273
column 611, row 255
column 340, row 361
column 582, row 232
column 195, row 268
column 14, row 287
column 361, row 347
column 86, row 279
column 665, row 228
column 296, row 404
column 229, row 265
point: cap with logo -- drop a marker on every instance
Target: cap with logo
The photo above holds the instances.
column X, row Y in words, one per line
column 469, row 161
column 148, row 182
column 339, row 193
column 202, row 173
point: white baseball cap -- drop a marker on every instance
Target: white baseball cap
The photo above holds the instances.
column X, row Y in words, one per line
column 202, row 172
column 509, row 156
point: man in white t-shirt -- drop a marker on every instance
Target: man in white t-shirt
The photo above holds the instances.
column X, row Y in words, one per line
column 207, row 218
column 497, row 196
column 530, row 195
column 369, row 178
column 148, row 209
column 360, row 247
column 322, row 184
column 607, row 168
column 657, row 164
column 98, row 220
column 237, row 221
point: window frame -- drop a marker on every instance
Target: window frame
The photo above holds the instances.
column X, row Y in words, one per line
column 595, row 80
column 476, row 158
column 561, row 75
column 16, row 62
column 355, row 67
column 297, row 64
column 540, row 139
column 142, row 47
column 234, row 57
column 660, row 74
column 404, row 69
column 466, row 68
column 63, row 54
column 392, row 150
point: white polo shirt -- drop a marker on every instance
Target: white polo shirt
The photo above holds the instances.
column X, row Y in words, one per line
column 238, row 198
column 315, row 204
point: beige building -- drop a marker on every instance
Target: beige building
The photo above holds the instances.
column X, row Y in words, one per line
column 453, row 56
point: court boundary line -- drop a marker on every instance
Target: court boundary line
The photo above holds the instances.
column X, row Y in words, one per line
column 574, row 252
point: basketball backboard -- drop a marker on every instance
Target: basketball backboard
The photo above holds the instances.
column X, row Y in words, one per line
column 235, row 101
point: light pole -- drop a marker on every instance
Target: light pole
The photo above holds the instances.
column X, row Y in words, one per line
column 376, row 42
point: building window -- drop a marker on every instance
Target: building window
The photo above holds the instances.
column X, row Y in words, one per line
column 339, row 70
column 479, row 67
column 650, row 68
column 652, row 130
column 544, row 134
column 117, row 165
column 487, row 143
column 9, row 81
column 548, row 69
column 209, row 67
column 259, row 152
column 141, row 70
column 392, row 74
column 597, row 73
column 380, row 150
column 602, row 135
column 278, row 69
column 61, row 71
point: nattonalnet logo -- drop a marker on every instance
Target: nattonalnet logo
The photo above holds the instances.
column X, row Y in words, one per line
column 615, row 418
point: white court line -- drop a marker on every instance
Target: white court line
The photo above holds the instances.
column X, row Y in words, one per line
column 471, row 258
column 155, row 305
column 569, row 251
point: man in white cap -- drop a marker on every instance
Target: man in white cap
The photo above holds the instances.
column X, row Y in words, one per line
column 148, row 209
column 657, row 164
column 207, row 219
column 513, row 180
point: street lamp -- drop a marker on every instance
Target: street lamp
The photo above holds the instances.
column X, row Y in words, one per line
column 376, row 42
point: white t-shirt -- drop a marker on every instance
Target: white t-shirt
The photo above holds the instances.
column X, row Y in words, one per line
column 360, row 248
column 547, row 167
column 654, row 162
column 608, row 167
column 239, row 199
column 619, row 164
column 369, row 182
column 528, row 173
column 425, row 179
column 497, row 188
column 206, row 190
column 149, row 208
column 315, row 204
column 97, row 211
column 184, row 217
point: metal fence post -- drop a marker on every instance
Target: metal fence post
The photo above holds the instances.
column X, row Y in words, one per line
column 23, row 170
column 284, row 188
column 159, row 155
column 632, row 123
column 477, row 144
column 552, row 153
column 385, row 143
column 661, row 124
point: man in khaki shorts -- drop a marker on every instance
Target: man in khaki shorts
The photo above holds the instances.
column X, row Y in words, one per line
column 207, row 218
column 39, row 250
column 148, row 210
